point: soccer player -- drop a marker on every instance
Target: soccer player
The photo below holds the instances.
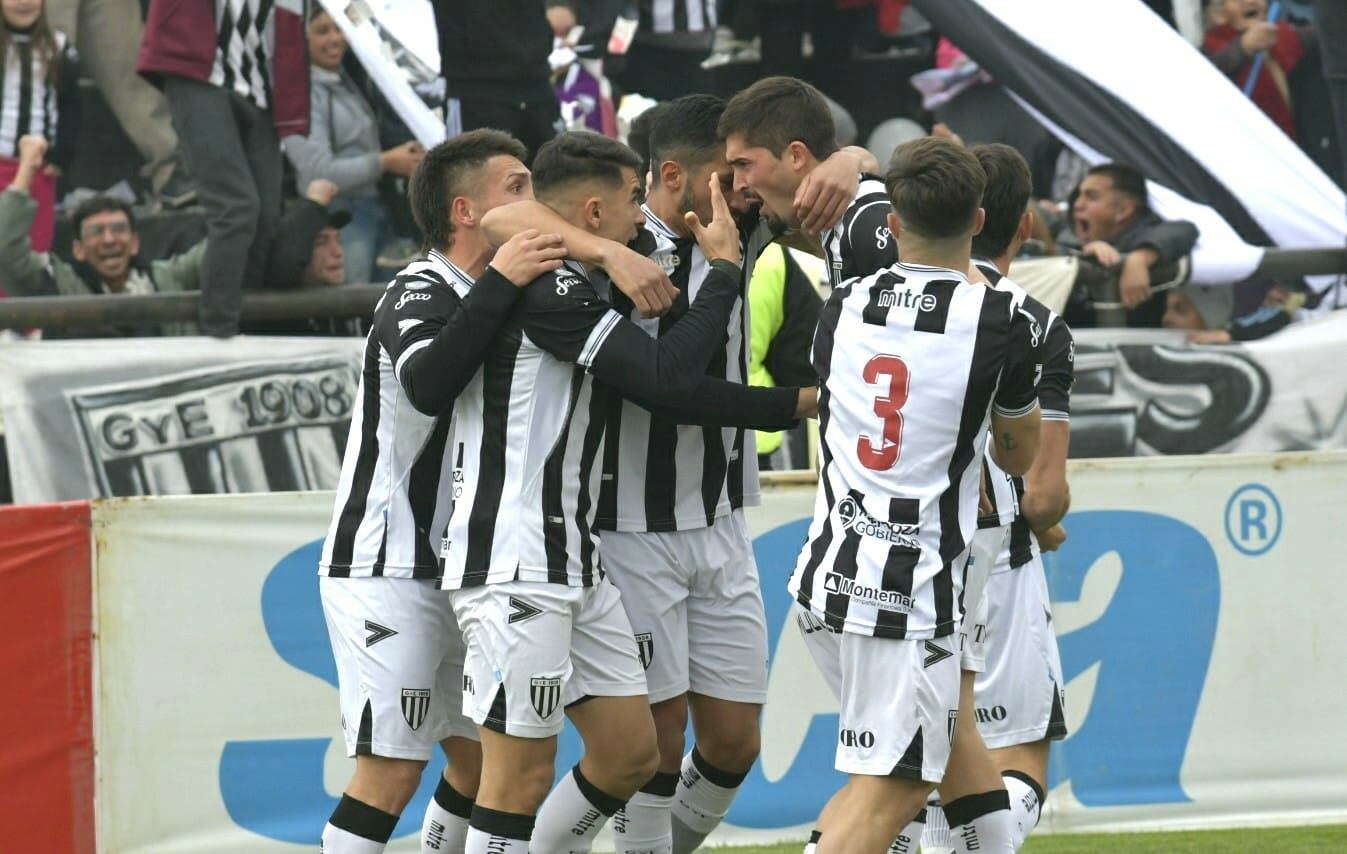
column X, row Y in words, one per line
column 1019, row 693
column 397, row 647
column 675, row 542
column 914, row 361
column 544, row 627
column 777, row 132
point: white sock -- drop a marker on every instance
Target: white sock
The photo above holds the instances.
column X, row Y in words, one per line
column 357, row 828
column 494, row 832
column 573, row 814
column 643, row 825
column 704, row 795
column 981, row 823
column 811, row 847
column 1026, row 804
column 935, row 835
column 445, row 827
column 910, row 838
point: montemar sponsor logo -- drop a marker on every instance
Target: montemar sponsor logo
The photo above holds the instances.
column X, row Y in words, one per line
column 854, row 518
column 886, row 600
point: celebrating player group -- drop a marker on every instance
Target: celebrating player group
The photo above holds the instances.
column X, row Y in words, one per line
column 541, row 507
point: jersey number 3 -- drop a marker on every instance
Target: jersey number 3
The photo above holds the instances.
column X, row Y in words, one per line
column 881, row 455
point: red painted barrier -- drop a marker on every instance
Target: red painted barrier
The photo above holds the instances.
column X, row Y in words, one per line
column 46, row 714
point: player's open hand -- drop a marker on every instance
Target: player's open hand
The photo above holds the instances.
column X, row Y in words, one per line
column 719, row 239
column 642, row 280
column 825, row 193
column 528, row 255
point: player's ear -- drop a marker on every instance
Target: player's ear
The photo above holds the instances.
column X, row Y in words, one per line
column 671, row 176
column 895, row 225
column 1026, row 226
column 461, row 213
column 979, row 220
column 593, row 213
column 797, row 155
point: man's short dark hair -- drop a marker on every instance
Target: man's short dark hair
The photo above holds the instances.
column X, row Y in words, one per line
column 638, row 136
column 97, row 205
column 1127, row 180
column 1009, row 186
column 448, row 171
column 685, row 131
column 577, row 156
column 776, row 111
column 936, row 187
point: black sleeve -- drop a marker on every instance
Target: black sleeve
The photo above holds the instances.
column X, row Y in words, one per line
column 1017, row 392
column 1171, row 240
column 1257, row 324
column 292, row 245
column 69, row 116
column 720, row 403
column 1058, row 357
column 867, row 244
column 435, row 339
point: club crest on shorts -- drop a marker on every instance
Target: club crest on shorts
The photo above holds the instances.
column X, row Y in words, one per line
column 415, row 705
column 545, row 695
column 645, row 647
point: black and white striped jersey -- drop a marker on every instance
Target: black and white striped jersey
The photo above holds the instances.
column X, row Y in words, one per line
column 911, row 361
column 245, row 39
column 1056, row 353
column 430, row 329
column 663, row 476
column 861, row 243
column 663, row 17
column 529, row 429
column 28, row 104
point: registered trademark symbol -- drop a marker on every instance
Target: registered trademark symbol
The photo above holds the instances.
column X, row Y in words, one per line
column 1253, row 519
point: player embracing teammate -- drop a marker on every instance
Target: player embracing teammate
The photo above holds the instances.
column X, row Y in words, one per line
column 585, row 465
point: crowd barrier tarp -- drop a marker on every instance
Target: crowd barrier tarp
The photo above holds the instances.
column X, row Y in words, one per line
column 164, row 416
column 1197, row 610
column 1144, row 392
column 170, row 416
column 47, row 761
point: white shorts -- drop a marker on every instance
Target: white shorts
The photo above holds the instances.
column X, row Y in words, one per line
column 1019, row 698
column 399, row 659
column 988, row 544
column 695, row 604
column 898, row 699
column 535, row 648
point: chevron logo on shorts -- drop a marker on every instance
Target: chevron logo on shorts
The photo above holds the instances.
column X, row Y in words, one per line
column 415, row 705
column 545, row 695
column 645, row 646
column 521, row 610
column 935, row 654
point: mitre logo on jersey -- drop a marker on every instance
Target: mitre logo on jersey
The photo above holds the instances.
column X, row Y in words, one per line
column 854, row 518
column 907, row 299
column 415, row 705
column 884, row 600
column 668, row 261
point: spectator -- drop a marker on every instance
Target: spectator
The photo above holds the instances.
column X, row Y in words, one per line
column 107, row 34
column 1112, row 222
column 583, row 92
column 494, row 59
column 1207, row 320
column 672, row 39
column 1238, row 30
column 235, row 73
column 43, row 99
column 106, row 249
column 342, row 146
